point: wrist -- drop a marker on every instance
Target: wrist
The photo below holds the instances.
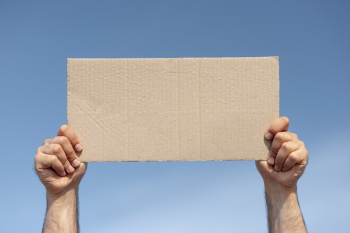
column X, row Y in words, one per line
column 279, row 194
column 63, row 198
column 272, row 186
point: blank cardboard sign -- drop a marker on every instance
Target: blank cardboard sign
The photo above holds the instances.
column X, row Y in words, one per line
column 176, row 109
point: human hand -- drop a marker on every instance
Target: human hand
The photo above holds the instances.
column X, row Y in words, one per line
column 287, row 158
column 57, row 164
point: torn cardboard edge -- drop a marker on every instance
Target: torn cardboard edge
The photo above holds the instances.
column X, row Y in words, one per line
column 173, row 109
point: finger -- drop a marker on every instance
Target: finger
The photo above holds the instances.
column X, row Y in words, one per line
column 57, row 166
column 283, row 153
column 57, row 151
column 278, row 125
column 47, row 141
column 277, row 142
column 294, row 136
column 298, row 157
column 44, row 161
column 68, row 150
column 69, row 133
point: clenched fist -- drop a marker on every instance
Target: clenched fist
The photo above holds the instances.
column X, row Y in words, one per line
column 57, row 164
column 288, row 156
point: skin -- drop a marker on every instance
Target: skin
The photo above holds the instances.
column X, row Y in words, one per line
column 286, row 163
column 60, row 170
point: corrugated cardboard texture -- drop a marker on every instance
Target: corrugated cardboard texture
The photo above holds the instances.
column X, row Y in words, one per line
column 177, row 109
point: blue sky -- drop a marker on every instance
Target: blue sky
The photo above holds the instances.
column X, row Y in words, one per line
column 310, row 37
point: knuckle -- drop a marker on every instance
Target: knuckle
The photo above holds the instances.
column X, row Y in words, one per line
column 38, row 150
column 279, row 137
column 287, row 136
column 46, row 141
column 285, row 147
column 282, row 137
column 54, row 140
column 300, row 144
column 62, row 140
column 294, row 135
column 288, row 146
column 292, row 157
column 54, row 160
column 55, row 148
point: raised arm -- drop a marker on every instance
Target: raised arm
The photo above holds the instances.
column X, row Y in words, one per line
column 285, row 165
column 60, row 171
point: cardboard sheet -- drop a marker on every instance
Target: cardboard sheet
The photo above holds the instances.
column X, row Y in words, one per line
column 173, row 109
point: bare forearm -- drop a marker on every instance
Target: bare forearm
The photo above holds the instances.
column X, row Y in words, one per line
column 61, row 214
column 284, row 213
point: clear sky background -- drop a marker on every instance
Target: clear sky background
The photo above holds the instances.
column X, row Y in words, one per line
column 312, row 39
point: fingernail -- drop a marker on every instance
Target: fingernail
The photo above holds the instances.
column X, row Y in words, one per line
column 78, row 147
column 70, row 169
column 268, row 136
column 76, row 163
column 63, row 173
column 276, row 168
column 271, row 161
